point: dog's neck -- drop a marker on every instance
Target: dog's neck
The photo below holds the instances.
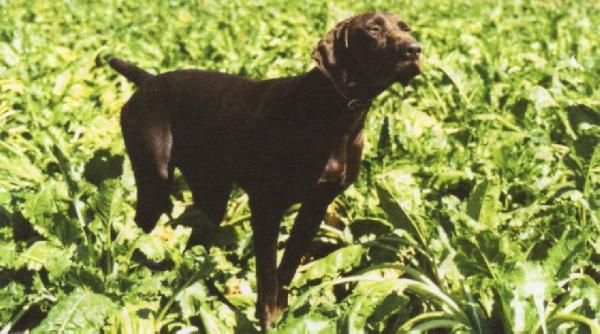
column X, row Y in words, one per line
column 357, row 97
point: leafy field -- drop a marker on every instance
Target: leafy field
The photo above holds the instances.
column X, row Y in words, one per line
column 477, row 210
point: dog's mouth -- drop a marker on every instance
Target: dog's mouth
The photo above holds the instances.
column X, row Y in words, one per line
column 408, row 69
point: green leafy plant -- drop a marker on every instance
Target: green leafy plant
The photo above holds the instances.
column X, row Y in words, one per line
column 477, row 209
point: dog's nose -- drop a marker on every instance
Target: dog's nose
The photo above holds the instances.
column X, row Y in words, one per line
column 413, row 47
column 410, row 49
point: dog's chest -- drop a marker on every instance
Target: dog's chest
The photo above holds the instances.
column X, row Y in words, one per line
column 291, row 157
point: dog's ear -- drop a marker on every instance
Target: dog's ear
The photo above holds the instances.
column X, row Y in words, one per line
column 331, row 54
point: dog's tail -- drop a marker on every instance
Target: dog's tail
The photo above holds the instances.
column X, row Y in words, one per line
column 130, row 71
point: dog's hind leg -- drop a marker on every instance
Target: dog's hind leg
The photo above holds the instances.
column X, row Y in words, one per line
column 267, row 213
column 150, row 154
column 210, row 188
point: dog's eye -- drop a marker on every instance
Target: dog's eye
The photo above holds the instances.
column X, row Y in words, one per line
column 374, row 29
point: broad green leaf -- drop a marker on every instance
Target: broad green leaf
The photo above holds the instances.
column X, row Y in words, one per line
column 8, row 254
column 367, row 299
column 436, row 324
column 505, row 311
column 585, row 287
column 48, row 209
column 210, row 321
column 559, row 319
column 332, row 265
column 12, row 295
column 44, row 254
column 531, row 287
column 485, row 253
column 408, row 326
column 397, row 215
column 80, row 312
column 455, row 77
column 191, row 298
column 308, row 324
column 133, row 319
column 563, row 257
column 107, row 201
column 451, row 180
column 483, row 204
column 152, row 247
column 67, row 171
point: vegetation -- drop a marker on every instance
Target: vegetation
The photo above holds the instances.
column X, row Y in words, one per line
column 477, row 210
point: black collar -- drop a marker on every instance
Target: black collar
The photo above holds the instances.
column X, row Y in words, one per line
column 354, row 103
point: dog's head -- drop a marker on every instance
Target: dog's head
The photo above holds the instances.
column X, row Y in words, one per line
column 366, row 53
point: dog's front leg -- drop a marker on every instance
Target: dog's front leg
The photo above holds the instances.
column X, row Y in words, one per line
column 341, row 171
column 305, row 227
column 266, row 218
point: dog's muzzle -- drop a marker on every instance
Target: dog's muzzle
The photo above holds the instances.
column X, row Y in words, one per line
column 410, row 50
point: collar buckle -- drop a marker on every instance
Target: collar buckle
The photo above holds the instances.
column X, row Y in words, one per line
column 358, row 104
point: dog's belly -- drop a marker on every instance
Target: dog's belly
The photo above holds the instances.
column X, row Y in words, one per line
column 286, row 170
column 287, row 175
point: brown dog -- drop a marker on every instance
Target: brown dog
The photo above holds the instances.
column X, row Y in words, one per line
column 283, row 141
